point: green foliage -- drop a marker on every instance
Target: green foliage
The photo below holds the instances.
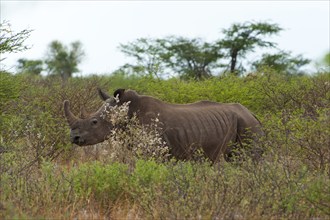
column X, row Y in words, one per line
column 9, row 88
column 103, row 182
column 225, row 89
column 148, row 172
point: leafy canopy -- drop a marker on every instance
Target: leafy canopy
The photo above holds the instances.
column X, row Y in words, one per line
column 240, row 39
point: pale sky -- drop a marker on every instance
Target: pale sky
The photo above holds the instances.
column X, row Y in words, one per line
column 102, row 26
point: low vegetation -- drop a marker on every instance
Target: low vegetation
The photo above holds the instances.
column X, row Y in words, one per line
column 132, row 176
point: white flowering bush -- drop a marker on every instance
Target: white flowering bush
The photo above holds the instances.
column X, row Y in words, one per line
column 129, row 140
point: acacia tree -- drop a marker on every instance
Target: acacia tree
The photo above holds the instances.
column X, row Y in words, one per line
column 12, row 42
column 282, row 62
column 63, row 61
column 240, row 39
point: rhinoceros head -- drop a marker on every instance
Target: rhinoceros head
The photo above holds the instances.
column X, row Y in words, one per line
column 89, row 129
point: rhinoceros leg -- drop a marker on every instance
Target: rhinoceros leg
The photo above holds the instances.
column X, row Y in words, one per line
column 233, row 152
column 247, row 144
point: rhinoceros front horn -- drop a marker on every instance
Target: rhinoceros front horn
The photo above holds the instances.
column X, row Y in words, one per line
column 70, row 117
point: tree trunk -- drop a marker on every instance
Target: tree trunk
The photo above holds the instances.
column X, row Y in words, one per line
column 233, row 61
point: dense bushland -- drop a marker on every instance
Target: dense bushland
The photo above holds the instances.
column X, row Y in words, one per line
column 43, row 175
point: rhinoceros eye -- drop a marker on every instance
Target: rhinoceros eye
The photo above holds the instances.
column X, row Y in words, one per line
column 94, row 121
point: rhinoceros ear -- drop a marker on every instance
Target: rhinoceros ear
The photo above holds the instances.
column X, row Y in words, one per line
column 70, row 117
column 102, row 94
column 119, row 93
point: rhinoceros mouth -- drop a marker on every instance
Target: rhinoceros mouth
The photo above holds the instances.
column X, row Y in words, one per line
column 79, row 141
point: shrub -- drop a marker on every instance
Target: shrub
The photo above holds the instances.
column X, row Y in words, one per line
column 102, row 182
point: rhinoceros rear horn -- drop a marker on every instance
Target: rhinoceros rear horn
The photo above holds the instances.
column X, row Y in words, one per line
column 102, row 94
column 70, row 117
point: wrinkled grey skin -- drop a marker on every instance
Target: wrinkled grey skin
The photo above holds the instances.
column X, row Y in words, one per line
column 209, row 125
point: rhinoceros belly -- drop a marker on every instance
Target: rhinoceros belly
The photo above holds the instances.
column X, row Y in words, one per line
column 210, row 130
